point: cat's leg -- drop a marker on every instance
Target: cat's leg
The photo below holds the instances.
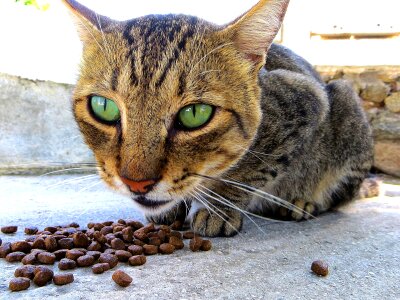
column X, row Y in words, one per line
column 218, row 213
column 178, row 213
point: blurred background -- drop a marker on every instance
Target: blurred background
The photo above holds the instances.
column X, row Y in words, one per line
column 356, row 40
column 42, row 43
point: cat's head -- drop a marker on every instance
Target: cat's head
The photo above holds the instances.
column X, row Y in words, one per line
column 162, row 98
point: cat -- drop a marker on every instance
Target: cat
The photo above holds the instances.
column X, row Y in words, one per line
column 212, row 123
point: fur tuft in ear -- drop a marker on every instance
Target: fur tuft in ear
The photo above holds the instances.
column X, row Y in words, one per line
column 88, row 21
column 254, row 32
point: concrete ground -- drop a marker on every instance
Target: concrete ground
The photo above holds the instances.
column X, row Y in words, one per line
column 361, row 244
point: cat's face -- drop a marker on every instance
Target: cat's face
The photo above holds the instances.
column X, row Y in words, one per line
column 161, row 99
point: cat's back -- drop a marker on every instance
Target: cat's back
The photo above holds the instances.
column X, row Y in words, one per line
column 282, row 58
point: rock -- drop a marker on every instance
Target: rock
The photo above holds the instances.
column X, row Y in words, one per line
column 387, row 157
column 375, row 91
column 393, row 102
column 385, row 124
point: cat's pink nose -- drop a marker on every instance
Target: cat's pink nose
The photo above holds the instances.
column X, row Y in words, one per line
column 139, row 187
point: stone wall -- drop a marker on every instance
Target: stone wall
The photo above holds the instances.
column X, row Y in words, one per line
column 38, row 132
column 379, row 90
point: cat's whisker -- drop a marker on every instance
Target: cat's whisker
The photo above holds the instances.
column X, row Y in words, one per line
column 260, row 153
column 90, row 186
column 204, row 202
column 69, row 169
column 228, row 203
column 261, row 194
column 199, row 194
column 205, row 56
column 225, row 201
column 68, row 181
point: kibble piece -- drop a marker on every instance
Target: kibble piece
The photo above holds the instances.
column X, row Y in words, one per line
column 30, row 239
column 121, row 278
column 176, row 242
column 21, row 246
column 19, row 284
column 139, row 242
column 106, row 230
column 123, row 255
column 118, row 228
column 135, row 249
column 15, row 256
column 46, row 258
column 51, row 243
column 140, row 234
column 9, row 229
column 29, row 259
column 43, row 275
column 5, row 249
column 118, row 244
column 320, row 268
column 39, row 243
column 81, row 240
column 1, row 241
column 63, row 279
column 137, row 260
column 127, row 234
column 195, row 243
column 108, row 223
column 51, row 229
column 100, row 268
column 176, row 234
column 111, row 259
column 165, row 228
column 109, row 251
column 188, row 235
column 156, row 241
column 85, row 261
column 150, row 249
column 134, row 224
column 94, row 246
column 66, row 264
column 27, row 271
column 66, row 243
column 206, row 245
column 74, row 225
column 177, row 225
column 31, row 230
column 97, row 236
column 95, row 254
column 166, row 248
column 60, row 254
column 74, row 254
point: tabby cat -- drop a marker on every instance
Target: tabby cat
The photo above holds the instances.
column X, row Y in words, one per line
column 212, row 123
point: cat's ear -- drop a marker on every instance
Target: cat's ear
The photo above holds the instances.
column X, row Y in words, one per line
column 254, row 32
column 89, row 23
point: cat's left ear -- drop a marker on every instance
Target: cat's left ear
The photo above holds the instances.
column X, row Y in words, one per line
column 89, row 23
column 254, row 32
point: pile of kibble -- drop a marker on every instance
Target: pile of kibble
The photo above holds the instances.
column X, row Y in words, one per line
column 101, row 246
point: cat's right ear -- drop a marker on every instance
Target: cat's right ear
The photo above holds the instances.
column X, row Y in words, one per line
column 88, row 22
column 254, row 32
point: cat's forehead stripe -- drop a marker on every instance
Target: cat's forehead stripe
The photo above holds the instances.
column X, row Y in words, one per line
column 149, row 38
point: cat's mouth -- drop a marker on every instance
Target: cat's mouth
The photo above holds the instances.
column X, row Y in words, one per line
column 148, row 203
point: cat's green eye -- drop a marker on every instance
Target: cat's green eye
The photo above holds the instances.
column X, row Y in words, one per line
column 105, row 109
column 195, row 115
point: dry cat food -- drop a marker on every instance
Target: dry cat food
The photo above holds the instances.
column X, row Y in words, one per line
column 101, row 246
column 121, row 278
column 9, row 229
column 320, row 268
column 19, row 284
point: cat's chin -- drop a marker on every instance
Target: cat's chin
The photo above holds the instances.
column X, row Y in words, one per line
column 153, row 206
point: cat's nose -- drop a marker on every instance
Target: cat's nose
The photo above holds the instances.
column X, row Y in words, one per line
column 139, row 187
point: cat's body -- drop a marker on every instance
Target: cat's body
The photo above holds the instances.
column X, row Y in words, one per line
column 195, row 121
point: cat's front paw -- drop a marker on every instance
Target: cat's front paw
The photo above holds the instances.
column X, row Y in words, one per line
column 225, row 223
column 177, row 213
